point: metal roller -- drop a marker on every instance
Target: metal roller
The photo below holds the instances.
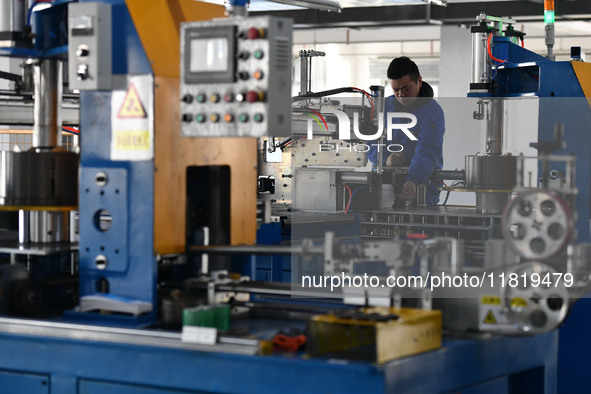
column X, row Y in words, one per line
column 38, row 179
column 535, row 309
column 355, row 177
column 12, row 22
column 538, row 224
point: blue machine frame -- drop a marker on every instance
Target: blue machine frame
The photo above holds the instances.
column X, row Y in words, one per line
column 489, row 365
column 484, row 365
column 561, row 100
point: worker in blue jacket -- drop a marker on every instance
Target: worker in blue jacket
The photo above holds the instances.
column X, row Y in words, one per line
column 413, row 95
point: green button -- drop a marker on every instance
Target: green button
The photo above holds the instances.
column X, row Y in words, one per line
column 200, row 118
column 200, row 98
column 242, row 118
column 258, row 54
column 258, row 118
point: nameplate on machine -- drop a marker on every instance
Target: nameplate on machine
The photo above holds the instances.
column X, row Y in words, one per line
column 200, row 335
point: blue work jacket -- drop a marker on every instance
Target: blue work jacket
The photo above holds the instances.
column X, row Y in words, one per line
column 426, row 154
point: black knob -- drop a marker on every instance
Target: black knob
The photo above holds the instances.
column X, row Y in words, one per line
column 187, row 98
column 187, row 118
column 243, row 75
column 243, row 55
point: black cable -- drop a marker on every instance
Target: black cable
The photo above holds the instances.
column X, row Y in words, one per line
column 323, row 94
column 449, row 191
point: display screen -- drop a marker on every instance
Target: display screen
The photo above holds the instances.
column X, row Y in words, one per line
column 209, row 54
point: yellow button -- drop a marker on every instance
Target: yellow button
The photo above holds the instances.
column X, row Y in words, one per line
column 214, row 118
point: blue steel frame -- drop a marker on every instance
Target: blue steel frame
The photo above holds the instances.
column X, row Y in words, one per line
column 491, row 365
column 561, row 100
column 525, row 73
column 128, row 196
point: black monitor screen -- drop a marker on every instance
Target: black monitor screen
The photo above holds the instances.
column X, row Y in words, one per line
column 209, row 54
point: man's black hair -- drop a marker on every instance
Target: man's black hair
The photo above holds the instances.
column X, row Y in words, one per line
column 402, row 66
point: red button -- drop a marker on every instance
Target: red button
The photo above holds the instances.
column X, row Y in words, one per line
column 253, row 33
column 253, row 97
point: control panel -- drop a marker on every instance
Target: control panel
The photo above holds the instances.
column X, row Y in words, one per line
column 236, row 77
column 89, row 46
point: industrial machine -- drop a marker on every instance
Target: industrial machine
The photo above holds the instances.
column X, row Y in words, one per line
column 222, row 224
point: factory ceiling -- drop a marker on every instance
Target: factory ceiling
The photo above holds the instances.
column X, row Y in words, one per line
column 373, row 13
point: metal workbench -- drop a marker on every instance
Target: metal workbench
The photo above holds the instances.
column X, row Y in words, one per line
column 65, row 358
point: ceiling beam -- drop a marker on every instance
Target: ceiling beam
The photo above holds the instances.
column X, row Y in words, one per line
column 420, row 14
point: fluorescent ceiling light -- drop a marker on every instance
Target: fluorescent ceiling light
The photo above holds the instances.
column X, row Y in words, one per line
column 324, row 5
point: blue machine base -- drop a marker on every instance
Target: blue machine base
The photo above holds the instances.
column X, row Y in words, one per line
column 39, row 364
column 111, row 320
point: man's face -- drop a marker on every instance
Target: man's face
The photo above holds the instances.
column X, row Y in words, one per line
column 405, row 89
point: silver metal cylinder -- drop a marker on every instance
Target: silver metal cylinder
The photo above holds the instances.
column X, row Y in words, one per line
column 12, row 16
column 42, row 227
column 494, row 126
column 481, row 65
column 38, row 178
column 549, row 39
column 360, row 177
column 49, row 226
column 491, row 172
column 47, row 77
column 491, row 202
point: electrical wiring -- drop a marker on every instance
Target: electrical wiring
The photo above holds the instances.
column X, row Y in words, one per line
column 291, row 142
column 368, row 97
column 490, row 52
column 352, row 195
column 70, row 130
column 457, row 183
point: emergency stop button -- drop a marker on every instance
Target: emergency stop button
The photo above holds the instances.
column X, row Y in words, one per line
column 253, row 33
column 253, row 96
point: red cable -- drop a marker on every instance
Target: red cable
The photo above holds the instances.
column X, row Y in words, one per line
column 291, row 142
column 489, row 51
column 350, row 198
column 321, row 117
column 368, row 96
column 70, row 129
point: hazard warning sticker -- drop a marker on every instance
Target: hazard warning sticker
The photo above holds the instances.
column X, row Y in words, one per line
column 492, row 315
column 132, row 106
column 132, row 120
column 490, row 318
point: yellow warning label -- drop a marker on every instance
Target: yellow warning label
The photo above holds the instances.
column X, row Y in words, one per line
column 491, row 300
column 518, row 302
column 132, row 140
column 132, row 105
column 490, row 318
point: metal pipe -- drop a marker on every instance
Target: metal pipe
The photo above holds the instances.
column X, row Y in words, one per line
column 494, row 127
column 253, row 250
column 303, row 74
column 47, row 103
